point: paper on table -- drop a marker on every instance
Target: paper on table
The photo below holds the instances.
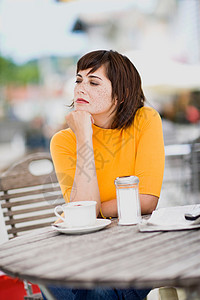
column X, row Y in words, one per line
column 171, row 218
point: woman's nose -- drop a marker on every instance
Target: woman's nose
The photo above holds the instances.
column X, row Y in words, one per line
column 82, row 88
column 82, row 91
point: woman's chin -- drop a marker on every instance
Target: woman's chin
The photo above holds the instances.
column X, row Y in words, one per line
column 81, row 108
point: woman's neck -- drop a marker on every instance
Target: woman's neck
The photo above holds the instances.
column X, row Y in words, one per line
column 105, row 122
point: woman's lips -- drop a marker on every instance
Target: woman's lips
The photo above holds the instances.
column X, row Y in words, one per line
column 80, row 100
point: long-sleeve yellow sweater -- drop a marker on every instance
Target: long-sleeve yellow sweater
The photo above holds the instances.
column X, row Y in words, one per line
column 137, row 150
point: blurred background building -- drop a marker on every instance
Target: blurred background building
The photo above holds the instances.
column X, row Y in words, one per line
column 40, row 43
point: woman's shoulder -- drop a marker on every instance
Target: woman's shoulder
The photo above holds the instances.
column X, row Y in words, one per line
column 147, row 112
column 146, row 117
column 63, row 136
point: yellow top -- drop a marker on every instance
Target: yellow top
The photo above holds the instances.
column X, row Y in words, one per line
column 137, row 150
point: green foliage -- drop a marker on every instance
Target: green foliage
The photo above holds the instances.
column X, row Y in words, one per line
column 11, row 73
column 7, row 68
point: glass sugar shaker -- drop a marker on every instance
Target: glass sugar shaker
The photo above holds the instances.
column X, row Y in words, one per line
column 128, row 201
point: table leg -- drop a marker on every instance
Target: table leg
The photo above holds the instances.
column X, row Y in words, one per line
column 46, row 292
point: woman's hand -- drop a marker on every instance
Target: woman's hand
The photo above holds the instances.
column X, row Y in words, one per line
column 81, row 124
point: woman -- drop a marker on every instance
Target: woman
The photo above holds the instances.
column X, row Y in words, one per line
column 110, row 134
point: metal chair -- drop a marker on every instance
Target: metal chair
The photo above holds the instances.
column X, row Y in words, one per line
column 195, row 167
column 28, row 198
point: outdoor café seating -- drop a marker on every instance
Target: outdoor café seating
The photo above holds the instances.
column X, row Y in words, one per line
column 29, row 191
column 27, row 199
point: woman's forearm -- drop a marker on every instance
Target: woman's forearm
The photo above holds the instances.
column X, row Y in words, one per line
column 85, row 185
column 148, row 204
column 109, row 208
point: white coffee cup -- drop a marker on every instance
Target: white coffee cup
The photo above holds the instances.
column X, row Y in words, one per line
column 78, row 214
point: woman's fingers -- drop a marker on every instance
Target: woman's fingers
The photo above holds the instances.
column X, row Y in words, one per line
column 80, row 122
column 92, row 119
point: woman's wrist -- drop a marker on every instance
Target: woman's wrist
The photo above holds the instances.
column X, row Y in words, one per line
column 84, row 138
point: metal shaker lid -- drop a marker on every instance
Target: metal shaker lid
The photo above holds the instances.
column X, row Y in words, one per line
column 126, row 180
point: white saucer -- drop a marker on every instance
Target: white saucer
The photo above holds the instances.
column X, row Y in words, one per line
column 99, row 224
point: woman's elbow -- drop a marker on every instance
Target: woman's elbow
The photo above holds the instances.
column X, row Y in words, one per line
column 148, row 203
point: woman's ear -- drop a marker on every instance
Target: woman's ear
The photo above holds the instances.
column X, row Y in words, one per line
column 115, row 101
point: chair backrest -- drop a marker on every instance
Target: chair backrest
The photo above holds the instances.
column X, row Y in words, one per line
column 3, row 232
column 28, row 197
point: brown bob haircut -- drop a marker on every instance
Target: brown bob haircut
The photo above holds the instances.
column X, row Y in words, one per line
column 125, row 80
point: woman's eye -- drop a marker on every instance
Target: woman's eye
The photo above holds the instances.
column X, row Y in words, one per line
column 92, row 83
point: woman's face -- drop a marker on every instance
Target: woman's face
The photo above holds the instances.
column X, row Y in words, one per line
column 93, row 93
